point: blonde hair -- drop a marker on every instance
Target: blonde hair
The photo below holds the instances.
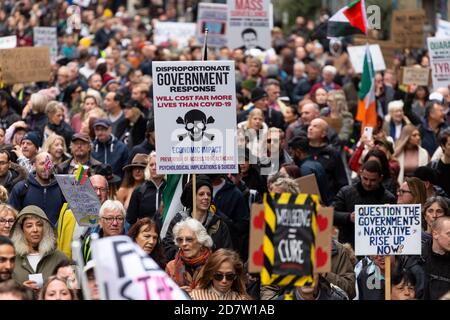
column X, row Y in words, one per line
column 52, row 107
column 339, row 99
column 51, row 140
column 253, row 113
column 3, row 195
column 405, row 135
column 38, row 102
column 287, row 185
column 147, row 173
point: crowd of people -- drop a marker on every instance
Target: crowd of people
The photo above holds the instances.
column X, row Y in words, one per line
column 296, row 107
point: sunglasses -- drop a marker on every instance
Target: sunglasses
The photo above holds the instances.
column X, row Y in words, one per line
column 228, row 276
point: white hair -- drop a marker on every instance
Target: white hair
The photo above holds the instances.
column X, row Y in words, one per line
column 195, row 226
column 395, row 105
column 147, row 174
column 112, row 205
column 330, row 69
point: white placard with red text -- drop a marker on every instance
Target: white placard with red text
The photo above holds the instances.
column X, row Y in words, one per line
column 439, row 53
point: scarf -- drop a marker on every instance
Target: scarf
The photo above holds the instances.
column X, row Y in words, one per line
column 182, row 276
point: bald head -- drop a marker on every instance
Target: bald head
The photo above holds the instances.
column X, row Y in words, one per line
column 441, row 235
column 101, row 188
column 317, row 131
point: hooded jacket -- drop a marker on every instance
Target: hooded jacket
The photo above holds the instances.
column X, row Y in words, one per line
column 50, row 256
column 8, row 118
column 145, row 201
column 15, row 174
column 30, row 192
column 113, row 152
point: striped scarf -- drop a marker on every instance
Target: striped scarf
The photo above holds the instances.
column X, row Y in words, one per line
column 182, row 276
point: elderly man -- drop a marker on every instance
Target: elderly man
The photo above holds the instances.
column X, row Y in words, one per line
column 68, row 228
column 330, row 159
column 28, row 150
column 432, row 125
column 40, row 189
column 112, row 223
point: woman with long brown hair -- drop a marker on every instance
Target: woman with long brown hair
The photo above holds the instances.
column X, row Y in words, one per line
column 222, row 278
column 409, row 153
column 133, row 178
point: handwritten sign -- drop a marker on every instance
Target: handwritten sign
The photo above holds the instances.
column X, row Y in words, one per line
column 125, row 272
column 407, row 28
column 417, row 76
column 8, row 42
column 388, row 230
column 25, row 64
column 46, row 37
column 82, row 199
column 195, row 117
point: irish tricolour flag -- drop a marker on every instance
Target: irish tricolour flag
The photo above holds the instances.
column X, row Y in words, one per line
column 349, row 20
column 367, row 113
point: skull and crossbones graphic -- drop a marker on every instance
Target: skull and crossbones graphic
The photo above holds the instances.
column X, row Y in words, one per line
column 195, row 122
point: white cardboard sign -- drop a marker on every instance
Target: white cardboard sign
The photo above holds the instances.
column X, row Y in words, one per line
column 357, row 54
column 8, row 42
column 46, row 37
column 388, row 229
column 439, row 53
column 195, row 117
column 182, row 32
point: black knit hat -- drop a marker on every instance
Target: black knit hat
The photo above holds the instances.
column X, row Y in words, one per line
column 186, row 196
column 258, row 93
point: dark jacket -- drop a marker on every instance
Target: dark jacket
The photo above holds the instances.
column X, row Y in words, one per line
column 272, row 117
column 214, row 225
column 302, row 88
column 144, row 147
column 113, row 152
column 64, row 130
column 15, row 174
column 145, row 201
column 37, row 122
column 429, row 138
column 331, row 161
column 29, row 192
column 230, row 201
column 8, row 118
column 344, row 205
column 342, row 272
column 443, row 174
column 131, row 134
column 308, row 166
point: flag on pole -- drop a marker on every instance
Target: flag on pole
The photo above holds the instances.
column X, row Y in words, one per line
column 80, row 174
column 350, row 20
column 367, row 113
column 171, row 198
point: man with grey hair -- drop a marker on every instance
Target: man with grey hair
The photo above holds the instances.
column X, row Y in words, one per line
column 111, row 223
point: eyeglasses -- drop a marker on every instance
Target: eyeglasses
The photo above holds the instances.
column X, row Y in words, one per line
column 110, row 220
column 102, row 190
column 228, row 276
column 2, row 163
column 402, row 191
column 5, row 221
column 180, row 240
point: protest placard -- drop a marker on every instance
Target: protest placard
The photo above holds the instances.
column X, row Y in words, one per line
column 308, row 184
column 407, row 28
column 439, row 53
column 212, row 16
column 8, row 42
column 357, row 53
column 25, row 64
column 323, row 239
column 388, row 229
column 249, row 24
column 389, row 48
column 81, row 198
column 179, row 32
column 289, row 238
column 195, row 117
column 442, row 29
column 256, row 253
column 83, row 3
column 125, row 272
column 416, row 75
column 46, row 37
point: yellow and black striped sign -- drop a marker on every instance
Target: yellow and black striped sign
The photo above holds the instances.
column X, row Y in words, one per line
column 289, row 237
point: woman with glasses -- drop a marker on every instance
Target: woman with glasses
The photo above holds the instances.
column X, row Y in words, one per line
column 145, row 233
column 194, row 248
column 412, row 191
column 7, row 218
column 409, row 153
column 223, row 278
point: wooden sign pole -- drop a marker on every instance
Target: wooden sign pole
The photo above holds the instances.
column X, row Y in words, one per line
column 387, row 277
column 194, row 196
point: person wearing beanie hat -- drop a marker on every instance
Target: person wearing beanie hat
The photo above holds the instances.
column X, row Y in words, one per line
column 214, row 223
column 28, row 150
column 34, row 239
